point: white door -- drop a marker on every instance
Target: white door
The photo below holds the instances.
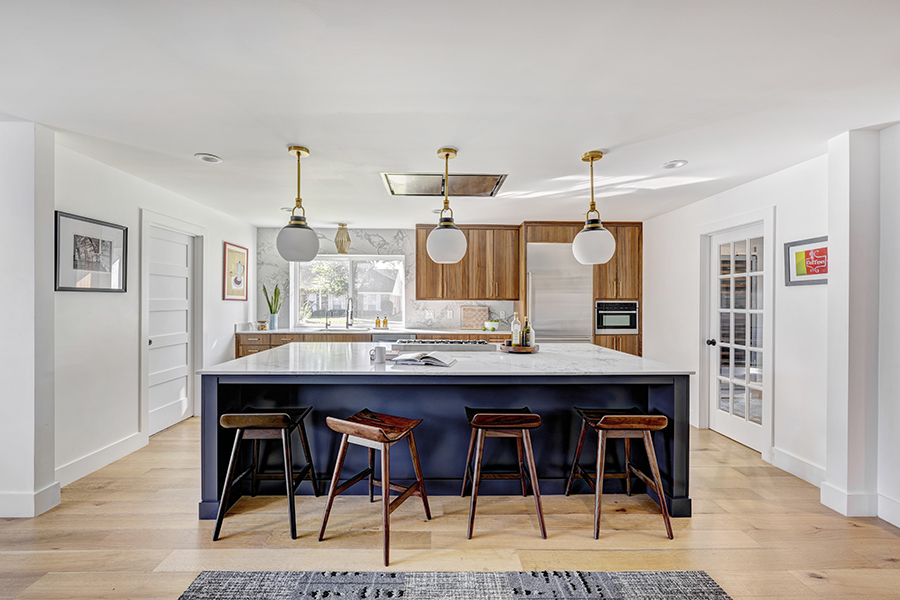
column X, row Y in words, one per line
column 737, row 313
column 170, row 371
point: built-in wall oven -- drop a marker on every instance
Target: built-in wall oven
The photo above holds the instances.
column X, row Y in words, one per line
column 616, row 317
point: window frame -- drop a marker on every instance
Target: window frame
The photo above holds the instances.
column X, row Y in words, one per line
column 294, row 297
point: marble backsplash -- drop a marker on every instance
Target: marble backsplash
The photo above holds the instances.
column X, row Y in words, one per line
column 271, row 269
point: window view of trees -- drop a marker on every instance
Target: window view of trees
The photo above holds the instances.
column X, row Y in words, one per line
column 326, row 283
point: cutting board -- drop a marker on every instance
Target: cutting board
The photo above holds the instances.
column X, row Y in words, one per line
column 473, row 317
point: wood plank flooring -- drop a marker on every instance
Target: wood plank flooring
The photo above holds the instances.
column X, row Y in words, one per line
column 130, row 530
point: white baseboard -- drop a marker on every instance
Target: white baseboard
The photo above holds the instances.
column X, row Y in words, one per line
column 795, row 465
column 98, row 459
column 889, row 510
column 169, row 415
column 29, row 504
column 849, row 505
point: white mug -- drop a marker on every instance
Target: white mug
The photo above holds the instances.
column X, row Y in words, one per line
column 377, row 355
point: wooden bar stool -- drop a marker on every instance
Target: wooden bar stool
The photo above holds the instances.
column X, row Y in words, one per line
column 589, row 419
column 377, row 432
column 267, row 424
column 509, row 423
column 628, row 427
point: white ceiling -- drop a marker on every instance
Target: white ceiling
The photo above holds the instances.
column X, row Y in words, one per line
column 740, row 89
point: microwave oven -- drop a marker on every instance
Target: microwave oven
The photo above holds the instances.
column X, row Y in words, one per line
column 616, row 318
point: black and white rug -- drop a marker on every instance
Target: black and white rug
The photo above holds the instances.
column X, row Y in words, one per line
column 349, row 585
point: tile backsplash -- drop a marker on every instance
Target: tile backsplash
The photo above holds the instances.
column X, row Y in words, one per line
column 271, row 269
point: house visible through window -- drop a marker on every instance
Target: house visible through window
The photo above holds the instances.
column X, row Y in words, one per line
column 323, row 286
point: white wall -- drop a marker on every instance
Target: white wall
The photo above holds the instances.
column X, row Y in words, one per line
column 28, row 484
column 672, row 299
column 853, row 215
column 98, row 335
column 888, row 489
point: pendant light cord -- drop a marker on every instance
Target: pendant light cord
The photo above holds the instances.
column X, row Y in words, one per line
column 299, row 203
column 446, row 187
column 593, row 207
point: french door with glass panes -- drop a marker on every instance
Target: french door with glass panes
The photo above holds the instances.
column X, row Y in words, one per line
column 736, row 344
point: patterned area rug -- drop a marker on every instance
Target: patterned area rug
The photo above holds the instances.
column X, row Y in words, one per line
column 565, row 585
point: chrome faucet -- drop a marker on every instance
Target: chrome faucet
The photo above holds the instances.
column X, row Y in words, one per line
column 349, row 322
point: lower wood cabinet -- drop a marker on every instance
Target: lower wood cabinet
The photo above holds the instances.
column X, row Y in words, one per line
column 246, row 344
column 629, row 344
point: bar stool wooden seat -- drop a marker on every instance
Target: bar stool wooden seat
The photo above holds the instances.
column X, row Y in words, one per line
column 629, row 427
column 267, row 424
column 502, row 422
column 589, row 419
column 377, row 432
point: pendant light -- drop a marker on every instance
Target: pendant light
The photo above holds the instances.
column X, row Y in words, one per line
column 594, row 245
column 297, row 242
column 342, row 239
column 446, row 244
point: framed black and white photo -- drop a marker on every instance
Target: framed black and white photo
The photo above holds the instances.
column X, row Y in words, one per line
column 91, row 255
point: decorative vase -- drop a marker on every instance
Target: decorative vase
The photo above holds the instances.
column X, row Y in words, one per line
column 273, row 322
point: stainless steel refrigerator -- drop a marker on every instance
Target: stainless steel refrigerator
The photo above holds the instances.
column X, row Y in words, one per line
column 560, row 294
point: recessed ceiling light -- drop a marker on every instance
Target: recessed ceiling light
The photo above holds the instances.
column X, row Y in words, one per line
column 287, row 208
column 674, row 164
column 437, row 211
column 208, row 158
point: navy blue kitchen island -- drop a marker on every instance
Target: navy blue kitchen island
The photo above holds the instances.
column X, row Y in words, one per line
column 337, row 378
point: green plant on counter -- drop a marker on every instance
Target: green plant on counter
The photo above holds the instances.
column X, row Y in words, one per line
column 275, row 301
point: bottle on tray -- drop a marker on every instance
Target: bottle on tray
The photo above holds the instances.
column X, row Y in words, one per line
column 526, row 334
column 515, row 327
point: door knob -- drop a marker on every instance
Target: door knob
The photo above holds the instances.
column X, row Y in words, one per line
column 150, row 342
column 710, row 342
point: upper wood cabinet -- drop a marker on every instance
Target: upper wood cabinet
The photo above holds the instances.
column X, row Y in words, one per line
column 620, row 278
column 488, row 271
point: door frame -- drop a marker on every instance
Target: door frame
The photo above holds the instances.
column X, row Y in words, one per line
column 198, row 322
column 766, row 216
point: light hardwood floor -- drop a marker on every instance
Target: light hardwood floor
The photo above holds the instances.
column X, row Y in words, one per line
column 130, row 530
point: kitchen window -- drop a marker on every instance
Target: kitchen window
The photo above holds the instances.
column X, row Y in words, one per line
column 322, row 287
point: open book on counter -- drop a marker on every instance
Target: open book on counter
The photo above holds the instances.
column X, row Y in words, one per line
column 435, row 359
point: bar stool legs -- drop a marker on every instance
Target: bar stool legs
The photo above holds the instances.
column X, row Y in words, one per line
column 229, row 478
column 498, row 425
column 376, row 432
column 620, row 427
column 289, row 480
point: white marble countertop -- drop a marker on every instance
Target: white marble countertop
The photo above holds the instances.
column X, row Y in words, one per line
column 337, row 329
column 352, row 358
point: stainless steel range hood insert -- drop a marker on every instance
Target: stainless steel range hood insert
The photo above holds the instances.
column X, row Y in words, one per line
column 430, row 184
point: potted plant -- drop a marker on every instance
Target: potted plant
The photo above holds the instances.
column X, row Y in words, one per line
column 274, row 302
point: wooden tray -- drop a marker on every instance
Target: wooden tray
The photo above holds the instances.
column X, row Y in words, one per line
column 520, row 349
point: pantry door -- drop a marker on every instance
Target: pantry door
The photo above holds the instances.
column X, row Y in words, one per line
column 736, row 344
column 170, row 322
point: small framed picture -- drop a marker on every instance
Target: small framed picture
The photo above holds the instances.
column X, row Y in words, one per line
column 806, row 262
column 91, row 255
column 235, row 275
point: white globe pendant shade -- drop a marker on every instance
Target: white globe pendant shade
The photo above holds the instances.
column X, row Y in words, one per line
column 594, row 245
column 446, row 244
column 297, row 242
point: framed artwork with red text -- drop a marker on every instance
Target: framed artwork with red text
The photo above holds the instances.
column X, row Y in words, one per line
column 806, row 262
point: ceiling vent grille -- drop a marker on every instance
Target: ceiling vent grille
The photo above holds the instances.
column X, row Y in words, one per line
column 431, row 184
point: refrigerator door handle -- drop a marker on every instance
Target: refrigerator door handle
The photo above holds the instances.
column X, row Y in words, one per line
column 529, row 296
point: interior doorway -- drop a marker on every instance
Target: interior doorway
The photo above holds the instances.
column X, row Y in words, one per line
column 170, row 327
column 737, row 345
column 171, row 320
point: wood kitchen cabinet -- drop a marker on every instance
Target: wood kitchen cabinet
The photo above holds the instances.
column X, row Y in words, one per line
column 247, row 343
column 620, row 278
column 488, row 271
column 630, row 344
